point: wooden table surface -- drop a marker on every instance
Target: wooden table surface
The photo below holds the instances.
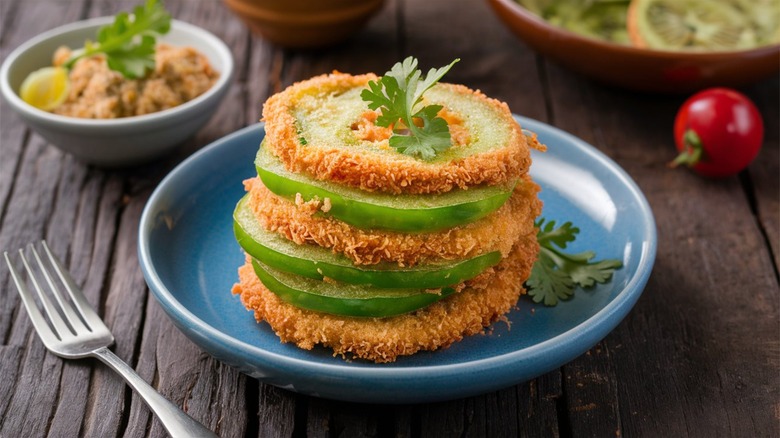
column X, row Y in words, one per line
column 699, row 355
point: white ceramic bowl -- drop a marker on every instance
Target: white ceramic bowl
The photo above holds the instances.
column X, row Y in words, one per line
column 124, row 141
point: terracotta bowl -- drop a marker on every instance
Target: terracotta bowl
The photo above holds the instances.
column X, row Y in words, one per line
column 634, row 68
column 304, row 23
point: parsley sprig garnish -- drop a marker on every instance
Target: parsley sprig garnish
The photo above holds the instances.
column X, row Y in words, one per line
column 556, row 274
column 416, row 130
column 129, row 42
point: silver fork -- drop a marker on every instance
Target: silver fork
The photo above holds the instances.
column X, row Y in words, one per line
column 76, row 331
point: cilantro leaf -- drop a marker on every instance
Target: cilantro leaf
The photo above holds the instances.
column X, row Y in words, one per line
column 561, row 236
column 554, row 284
column 135, row 61
column 417, row 132
column 556, row 274
column 129, row 42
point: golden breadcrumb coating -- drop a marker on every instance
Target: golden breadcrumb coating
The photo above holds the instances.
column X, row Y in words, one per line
column 394, row 173
column 384, row 339
column 299, row 222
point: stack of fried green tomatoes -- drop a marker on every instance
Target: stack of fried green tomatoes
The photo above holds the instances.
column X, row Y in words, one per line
column 375, row 253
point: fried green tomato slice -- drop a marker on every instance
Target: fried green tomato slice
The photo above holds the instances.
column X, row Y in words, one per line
column 385, row 339
column 403, row 213
column 322, row 126
column 302, row 223
column 316, row 262
column 344, row 299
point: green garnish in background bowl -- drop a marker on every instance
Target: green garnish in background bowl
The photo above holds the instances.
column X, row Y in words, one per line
column 600, row 19
column 128, row 45
column 129, row 42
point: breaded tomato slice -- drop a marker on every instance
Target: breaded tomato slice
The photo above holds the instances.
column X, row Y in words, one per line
column 384, row 339
column 323, row 128
column 301, row 222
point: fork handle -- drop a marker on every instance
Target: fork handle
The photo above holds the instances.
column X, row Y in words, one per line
column 176, row 422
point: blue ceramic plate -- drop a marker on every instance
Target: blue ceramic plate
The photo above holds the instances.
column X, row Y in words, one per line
column 189, row 258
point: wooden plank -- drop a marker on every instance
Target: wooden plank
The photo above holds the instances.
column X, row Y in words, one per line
column 21, row 22
column 318, row 424
column 444, row 418
column 325, row 418
column 763, row 173
column 401, row 422
column 592, row 401
column 10, row 369
column 537, row 406
column 494, row 414
column 276, row 412
column 139, row 418
column 124, row 309
column 355, row 420
column 31, row 404
column 92, row 239
column 523, row 410
column 75, row 211
column 39, row 403
column 207, row 390
column 261, row 78
column 12, row 131
column 32, row 18
column 8, row 11
column 26, row 218
column 211, row 392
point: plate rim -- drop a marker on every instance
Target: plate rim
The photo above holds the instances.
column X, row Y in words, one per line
column 625, row 298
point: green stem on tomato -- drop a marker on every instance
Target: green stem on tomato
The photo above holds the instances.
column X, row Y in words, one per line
column 693, row 150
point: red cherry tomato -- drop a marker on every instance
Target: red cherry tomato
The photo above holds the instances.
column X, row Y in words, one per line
column 718, row 132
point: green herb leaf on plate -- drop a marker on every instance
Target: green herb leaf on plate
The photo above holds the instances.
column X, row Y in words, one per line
column 556, row 274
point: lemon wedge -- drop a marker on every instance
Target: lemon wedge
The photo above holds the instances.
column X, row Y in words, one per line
column 702, row 25
column 46, row 88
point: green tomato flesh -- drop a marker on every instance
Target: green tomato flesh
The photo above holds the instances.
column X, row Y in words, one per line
column 369, row 210
column 317, row 262
column 343, row 299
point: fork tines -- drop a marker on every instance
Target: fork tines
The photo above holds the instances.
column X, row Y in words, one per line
column 66, row 319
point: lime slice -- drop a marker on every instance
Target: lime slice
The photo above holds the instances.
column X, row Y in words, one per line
column 704, row 25
column 46, row 88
